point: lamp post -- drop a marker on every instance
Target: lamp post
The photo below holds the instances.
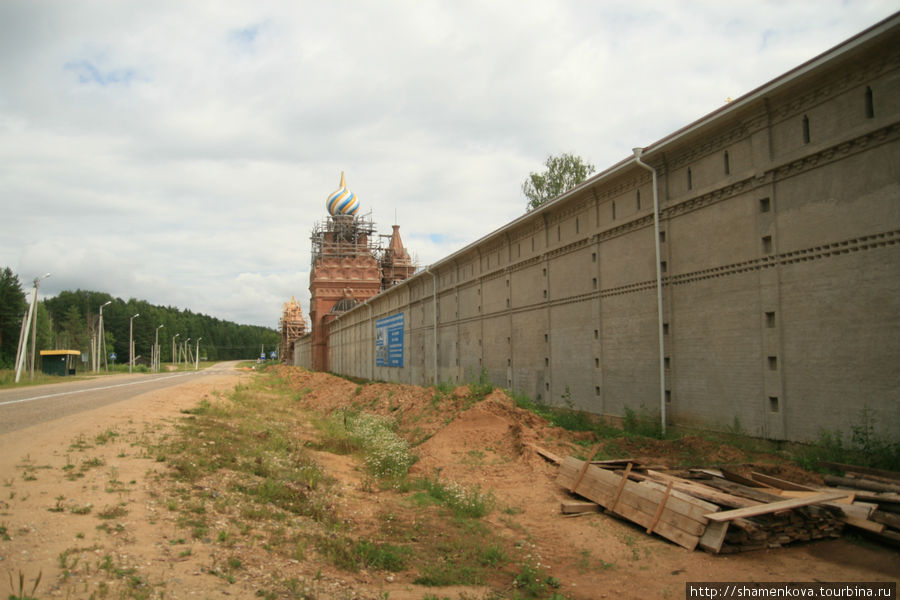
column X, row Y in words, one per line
column 156, row 349
column 101, row 339
column 197, row 356
column 173, row 348
column 131, row 341
column 30, row 322
column 186, row 342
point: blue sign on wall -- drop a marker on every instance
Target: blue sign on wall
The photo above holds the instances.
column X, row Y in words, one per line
column 389, row 341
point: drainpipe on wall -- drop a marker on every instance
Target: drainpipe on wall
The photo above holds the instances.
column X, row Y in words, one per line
column 371, row 343
column 659, row 306
column 434, row 311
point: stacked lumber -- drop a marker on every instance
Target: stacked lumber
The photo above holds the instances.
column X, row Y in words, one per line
column 876, row 489
column 773, row 524
column 690, row 512
column 672, row 514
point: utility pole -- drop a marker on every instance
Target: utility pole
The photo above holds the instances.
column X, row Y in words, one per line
column 131, row 342
column 101, row 339
column 155, row 359
column 30, row 319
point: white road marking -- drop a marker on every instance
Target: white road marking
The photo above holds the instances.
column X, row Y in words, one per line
column 94, row 389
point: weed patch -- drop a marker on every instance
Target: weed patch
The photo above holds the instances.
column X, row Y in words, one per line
column 462, row 501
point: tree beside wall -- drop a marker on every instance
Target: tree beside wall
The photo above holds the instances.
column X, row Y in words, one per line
column 563, row 172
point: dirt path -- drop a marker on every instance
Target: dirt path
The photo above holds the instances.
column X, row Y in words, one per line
column 81, row 506
column 61, row 479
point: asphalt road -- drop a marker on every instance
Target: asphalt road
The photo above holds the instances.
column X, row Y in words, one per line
column 32, row 405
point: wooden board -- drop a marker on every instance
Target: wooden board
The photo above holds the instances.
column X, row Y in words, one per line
column 554, row 458
column 570, row 508
column 848, row 499
column 868, row 471
column 680, row 521
column 863, row 484
column 704, row 492
column 634, row 498
column 764, row 509
column 714, row 536
column 864, row 524
column 781, row 484
column 763, row 495
column 859, row 510
column 889, row 519
column 737, row 478
column 645, row 495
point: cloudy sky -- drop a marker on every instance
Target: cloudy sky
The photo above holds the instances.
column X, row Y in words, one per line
column 181, row 152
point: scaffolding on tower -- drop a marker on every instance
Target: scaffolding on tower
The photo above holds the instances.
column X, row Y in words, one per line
column 344, row 236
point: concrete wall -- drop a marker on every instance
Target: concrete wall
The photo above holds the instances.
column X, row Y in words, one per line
column 780, row 260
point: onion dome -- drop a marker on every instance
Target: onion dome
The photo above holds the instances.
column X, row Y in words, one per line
column 342, row 201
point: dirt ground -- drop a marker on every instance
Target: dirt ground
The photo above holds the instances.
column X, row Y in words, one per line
column 50, row 516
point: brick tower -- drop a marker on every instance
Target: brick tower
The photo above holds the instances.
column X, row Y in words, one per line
column 345, row 268
column 396, row 264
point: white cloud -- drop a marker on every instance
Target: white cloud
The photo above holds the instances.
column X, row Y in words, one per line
column 181, row 152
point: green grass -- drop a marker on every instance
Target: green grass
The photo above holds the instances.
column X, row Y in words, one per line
column 245, row 459
column 462, row 501
column 113, row 512
column 355, row 555
column 386, row 455
column 864, row 447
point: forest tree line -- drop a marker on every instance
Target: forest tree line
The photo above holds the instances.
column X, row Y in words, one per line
column 69, row 320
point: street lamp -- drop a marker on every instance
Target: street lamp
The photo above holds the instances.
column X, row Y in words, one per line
column 101, row 339
column 156, row 349
column 131, row 341
column 186, row 342
column 173, row 348
column 30, row 322
column 197, row 357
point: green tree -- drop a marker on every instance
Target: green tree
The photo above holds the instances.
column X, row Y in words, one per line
column 73, row 332
column 44, row 332
column 12, row 310
column 562, row 174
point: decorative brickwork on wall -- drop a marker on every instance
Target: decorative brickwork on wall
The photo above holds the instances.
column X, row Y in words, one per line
column 779, row 259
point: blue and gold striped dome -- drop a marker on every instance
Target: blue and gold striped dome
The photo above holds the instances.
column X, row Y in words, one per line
column 342, row 201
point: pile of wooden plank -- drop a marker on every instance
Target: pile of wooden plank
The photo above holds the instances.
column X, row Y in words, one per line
column 722, row 511
column 878, row 491
column 674, row 515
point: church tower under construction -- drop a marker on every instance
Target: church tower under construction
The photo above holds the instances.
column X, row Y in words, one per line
column 349, row 265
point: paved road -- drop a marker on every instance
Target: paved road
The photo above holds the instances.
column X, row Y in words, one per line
column 26, row 406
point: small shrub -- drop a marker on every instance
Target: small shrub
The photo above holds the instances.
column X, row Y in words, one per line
column 112, row 512
column 642, row 423
column 864, row 448
column 462, row 501
column 362, row 554
column 534, row 582
column 386, row 455
column 480, row 389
